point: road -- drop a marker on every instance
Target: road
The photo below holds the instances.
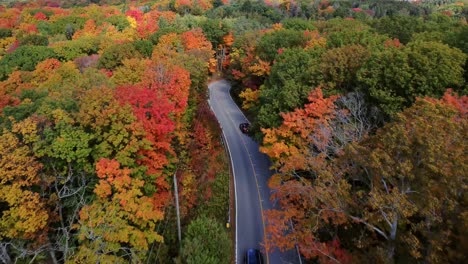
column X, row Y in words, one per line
column 251, row 172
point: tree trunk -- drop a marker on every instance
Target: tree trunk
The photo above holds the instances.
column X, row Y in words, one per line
column 4, row 257
column 392, row 237
column 52, row 256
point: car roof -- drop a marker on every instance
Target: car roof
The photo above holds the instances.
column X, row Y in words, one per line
column 251, row 250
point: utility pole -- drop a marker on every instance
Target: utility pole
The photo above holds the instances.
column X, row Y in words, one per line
column 176, row 193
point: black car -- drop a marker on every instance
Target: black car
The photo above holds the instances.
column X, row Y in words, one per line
column 244, row 127
column 253, row 256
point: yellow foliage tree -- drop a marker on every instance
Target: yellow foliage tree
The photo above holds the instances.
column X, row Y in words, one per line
column 24, row 213
column 250, row 98
column 130, row 72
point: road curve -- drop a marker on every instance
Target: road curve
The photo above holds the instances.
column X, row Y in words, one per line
column 250, row 171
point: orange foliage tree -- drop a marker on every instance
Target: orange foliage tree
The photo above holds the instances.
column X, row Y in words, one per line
column 382, row 187
column 121, row 223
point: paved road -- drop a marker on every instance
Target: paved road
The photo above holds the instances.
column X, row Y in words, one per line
column 251, row 172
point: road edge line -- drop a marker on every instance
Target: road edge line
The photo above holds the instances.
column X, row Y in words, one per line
column 233, row 171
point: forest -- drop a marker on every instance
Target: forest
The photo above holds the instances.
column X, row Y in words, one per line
column 360, row 105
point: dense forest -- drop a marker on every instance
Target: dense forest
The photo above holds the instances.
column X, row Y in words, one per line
column 361, row 106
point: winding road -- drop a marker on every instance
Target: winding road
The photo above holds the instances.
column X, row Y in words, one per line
column 251, row 172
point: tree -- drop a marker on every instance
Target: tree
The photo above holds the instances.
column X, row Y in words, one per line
column 117, row 135
column 72, row 49
column 206, row 241
column 270, row 43
column 119, row 21
column 67, row 146
column 24, row 58
column 153, row 111
column 298, row 24
column 317, row 132
column 340, row 65
column 215, row 30
column 120, row 224
column 394, row 77
column 113, row 56
column 5, row 33
column 130, row 72
column 393, row 196
column 399, row 26
column 66, row 25
column 24, row 212
column 292, row 77
column 34, row 39
column 144, row 47
column 340, row 32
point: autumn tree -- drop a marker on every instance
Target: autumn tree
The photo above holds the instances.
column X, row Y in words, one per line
column 153, row 109
column 393, row 196
column 120, row 224
column 116, row 133
column 24, row 212
column 318, row 131
column 130, row 72
column 299, row 148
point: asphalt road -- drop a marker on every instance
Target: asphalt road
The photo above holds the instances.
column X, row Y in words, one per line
column 251, row 172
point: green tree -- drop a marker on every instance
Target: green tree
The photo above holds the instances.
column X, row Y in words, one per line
column 119, row 21
column 113, row 56
column 394, row 77
column 270, row 43
column 68, row 145
column 61, row 25
column 215, row 30
column 72, row 49
column 297, row 24
column 206, row 241
column 24, row 58
column 34, row 39
column 364, row 38
column 5, row 33
column 340, row 65
column 31, row 101
column 400, row 27
column 342, row 32
column 292, row 77
column 144, row 47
